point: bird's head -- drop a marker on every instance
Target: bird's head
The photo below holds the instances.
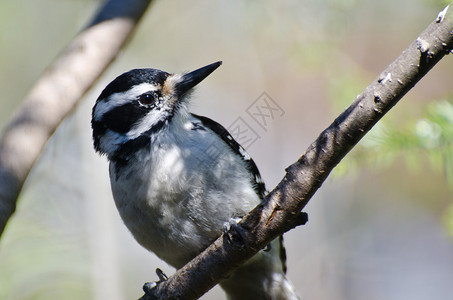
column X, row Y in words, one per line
column 141, row 102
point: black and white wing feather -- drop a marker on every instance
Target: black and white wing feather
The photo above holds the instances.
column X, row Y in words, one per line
column 255, row 179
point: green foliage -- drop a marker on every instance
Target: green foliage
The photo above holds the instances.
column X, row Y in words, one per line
column 422, row 143
column 417, row 137
column 425, row 139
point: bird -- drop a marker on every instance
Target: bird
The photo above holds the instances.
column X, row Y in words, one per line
column 178, row 179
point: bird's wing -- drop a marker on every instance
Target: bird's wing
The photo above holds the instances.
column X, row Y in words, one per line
column 255, row 179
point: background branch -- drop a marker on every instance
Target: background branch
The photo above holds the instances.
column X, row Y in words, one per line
column 281, row 207
column 57, row 92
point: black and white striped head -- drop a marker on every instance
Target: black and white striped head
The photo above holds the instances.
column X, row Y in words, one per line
column 139, row 103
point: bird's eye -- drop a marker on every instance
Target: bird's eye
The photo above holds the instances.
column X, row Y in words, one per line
column 146, row 99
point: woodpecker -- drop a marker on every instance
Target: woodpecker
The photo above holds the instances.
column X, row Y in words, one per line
column 177, row 178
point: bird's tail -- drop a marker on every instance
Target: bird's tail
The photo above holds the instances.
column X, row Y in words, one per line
column 262, row 277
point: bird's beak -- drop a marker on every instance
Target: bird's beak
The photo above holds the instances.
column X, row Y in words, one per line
column 189, row 80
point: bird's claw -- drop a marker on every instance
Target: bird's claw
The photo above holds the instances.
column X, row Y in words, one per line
column 148, row 286
column 233, row 231
column 162, row 276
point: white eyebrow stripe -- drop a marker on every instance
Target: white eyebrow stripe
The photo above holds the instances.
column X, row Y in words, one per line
column 117, row 99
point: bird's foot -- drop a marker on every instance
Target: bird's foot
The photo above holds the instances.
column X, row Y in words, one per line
column 147, row 287
column 233, row 231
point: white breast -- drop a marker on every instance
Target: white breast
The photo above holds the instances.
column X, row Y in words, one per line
column 176, row 196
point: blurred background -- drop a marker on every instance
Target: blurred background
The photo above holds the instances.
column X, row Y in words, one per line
column 381, row 226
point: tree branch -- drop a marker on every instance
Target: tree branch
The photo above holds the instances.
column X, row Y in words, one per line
column 57, row 92
column 280, row 209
